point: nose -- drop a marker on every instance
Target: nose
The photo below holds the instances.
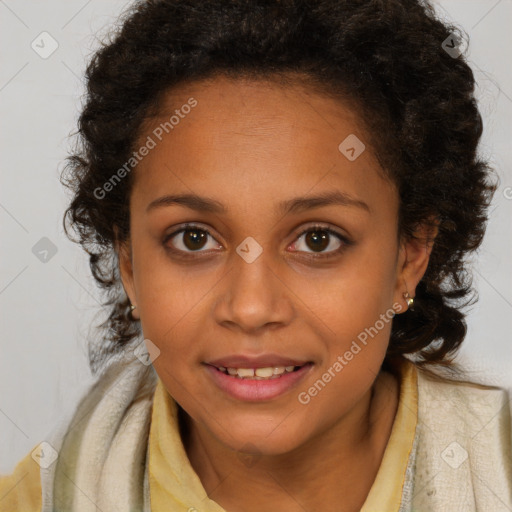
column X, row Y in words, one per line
column 253, row 297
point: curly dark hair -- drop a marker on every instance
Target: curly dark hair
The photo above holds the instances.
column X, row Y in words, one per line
column 386, row 57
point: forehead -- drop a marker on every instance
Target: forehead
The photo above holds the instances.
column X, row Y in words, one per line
column 248, row 141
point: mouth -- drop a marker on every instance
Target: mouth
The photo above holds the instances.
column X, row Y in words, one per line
column 264, row 373
column 257, row 383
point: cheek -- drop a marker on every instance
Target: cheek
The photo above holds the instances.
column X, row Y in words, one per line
column 358, row 309
column 170, row 295
column 363, row 286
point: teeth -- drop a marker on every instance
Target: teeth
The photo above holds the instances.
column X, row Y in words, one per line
column 264, row 372
column 270, row 372
column 245, row 372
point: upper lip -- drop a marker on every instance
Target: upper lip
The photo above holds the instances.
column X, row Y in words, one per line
column 262, row 361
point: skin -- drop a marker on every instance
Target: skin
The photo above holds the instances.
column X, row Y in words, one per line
column 250, row 145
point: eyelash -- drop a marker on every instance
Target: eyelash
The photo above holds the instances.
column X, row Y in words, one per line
column 345, row 242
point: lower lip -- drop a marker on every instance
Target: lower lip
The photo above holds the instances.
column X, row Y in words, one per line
column 252, row 390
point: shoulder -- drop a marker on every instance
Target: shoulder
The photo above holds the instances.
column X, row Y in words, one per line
column 21, row 490
column 464, row 445
column 102, row 407
column 469, row 405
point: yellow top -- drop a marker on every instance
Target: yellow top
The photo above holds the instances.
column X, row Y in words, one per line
column 21, row 490
column 386, row 491
column 174, row 484
column 172, row 480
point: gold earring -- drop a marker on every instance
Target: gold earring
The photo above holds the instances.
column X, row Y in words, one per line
column 408, row 299
column 131, row 314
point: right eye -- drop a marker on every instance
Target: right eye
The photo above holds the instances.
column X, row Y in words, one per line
column 190, row 238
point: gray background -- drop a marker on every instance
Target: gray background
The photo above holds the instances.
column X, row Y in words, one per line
column 47, row 308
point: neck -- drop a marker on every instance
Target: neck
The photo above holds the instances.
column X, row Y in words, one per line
column 332, row 471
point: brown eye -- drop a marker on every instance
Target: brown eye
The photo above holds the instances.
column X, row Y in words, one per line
column 316, row 239
column 189, row 239
column 194, row 239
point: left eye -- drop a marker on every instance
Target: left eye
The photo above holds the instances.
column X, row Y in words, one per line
column 317, row 238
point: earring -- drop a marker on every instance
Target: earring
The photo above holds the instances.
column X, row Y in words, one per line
column 408, row 299
column 131, row 314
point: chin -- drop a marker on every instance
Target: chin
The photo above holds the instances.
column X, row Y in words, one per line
column 254, row 437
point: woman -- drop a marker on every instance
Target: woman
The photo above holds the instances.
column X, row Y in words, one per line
column 278, row 198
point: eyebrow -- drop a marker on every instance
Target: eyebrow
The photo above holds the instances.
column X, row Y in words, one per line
column 295, row 205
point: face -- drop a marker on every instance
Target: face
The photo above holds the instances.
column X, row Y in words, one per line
column 242, row 273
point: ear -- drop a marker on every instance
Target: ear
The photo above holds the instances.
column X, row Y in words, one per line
column 124, row 255
column 413, row 257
